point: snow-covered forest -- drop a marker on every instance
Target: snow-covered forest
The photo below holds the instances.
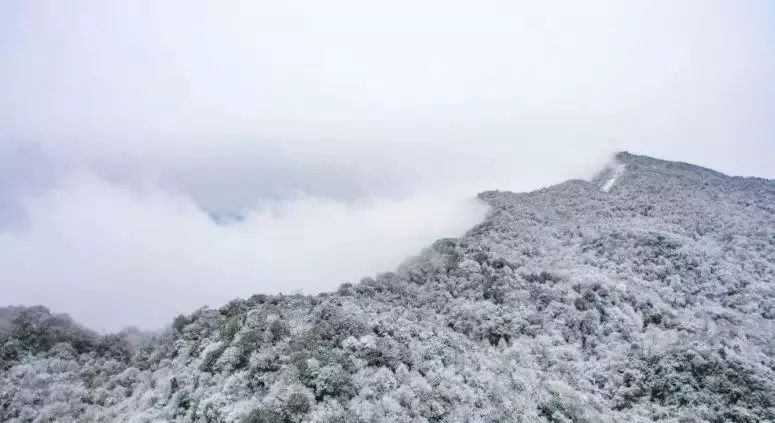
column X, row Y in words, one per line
column 645, row 294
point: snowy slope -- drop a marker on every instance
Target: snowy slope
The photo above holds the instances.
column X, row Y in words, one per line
column 653, row 301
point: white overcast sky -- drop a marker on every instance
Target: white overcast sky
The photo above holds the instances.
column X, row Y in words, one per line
column 159, row 156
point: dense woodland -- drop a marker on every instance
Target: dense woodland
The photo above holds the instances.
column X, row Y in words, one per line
column 650, row 300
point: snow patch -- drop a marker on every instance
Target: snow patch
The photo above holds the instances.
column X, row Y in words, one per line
column 616, row 172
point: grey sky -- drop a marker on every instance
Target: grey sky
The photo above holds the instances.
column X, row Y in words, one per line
column 125, row 125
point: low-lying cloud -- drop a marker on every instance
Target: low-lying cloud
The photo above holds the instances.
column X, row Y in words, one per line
column 159, row 156
column 114, row 255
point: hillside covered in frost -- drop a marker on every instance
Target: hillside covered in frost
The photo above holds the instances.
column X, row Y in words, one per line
column 646, row 294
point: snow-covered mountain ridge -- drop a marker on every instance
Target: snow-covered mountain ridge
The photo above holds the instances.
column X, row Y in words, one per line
column 645, row 294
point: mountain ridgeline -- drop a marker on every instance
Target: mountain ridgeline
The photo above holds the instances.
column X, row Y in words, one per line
column 645, row 294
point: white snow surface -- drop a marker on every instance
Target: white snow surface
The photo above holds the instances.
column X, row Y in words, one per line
column 616, row 172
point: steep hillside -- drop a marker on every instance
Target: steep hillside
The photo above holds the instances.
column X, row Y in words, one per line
column 645, row 294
